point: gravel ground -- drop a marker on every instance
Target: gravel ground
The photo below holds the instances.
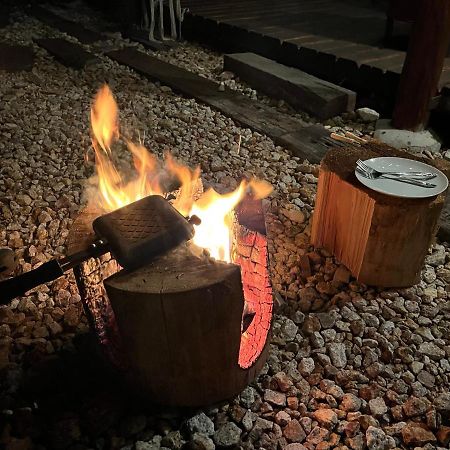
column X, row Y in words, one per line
column 350, row 366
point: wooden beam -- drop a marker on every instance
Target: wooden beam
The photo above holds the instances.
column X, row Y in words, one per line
column 70, row 54
column 301, row 90
column 302, row 139
column 14, row 58
column 428, row 46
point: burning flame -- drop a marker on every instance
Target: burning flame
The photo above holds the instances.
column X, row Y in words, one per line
column 114, row 192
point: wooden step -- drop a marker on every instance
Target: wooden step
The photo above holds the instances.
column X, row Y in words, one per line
column 301, row 90
column 302, row 139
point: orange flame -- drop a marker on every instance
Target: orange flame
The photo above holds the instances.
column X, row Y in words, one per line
column 212, row 208
column 105, row 118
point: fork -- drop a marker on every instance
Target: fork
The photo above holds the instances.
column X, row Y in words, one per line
column 419, row 175
column 373, row 176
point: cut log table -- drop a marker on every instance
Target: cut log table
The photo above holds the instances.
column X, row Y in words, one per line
column 383, row 240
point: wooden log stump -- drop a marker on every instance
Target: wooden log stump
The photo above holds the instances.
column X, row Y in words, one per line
column 383, row 240
column 194, row 330
column 180, row 323
column 186, row 331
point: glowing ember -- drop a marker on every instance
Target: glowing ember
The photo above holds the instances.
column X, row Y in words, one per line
column 212, row 208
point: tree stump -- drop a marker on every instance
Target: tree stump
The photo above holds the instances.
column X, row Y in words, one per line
column 183, row 325
column 186, row 331
column 179, row 319
column 383, row 240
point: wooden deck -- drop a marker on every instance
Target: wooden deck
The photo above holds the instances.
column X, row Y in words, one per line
column 338, row 40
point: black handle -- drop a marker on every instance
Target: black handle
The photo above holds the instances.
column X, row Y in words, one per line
column 17, row 286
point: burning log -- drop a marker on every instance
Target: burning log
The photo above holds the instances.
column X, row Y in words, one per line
column 89, row 276
column 383, row 240
column 187, row 331
column 180, row 322
column 185, row 337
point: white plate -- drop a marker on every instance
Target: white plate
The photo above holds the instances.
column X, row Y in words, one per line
column 397, row 188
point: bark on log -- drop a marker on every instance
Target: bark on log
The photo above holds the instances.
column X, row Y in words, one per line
column 180, row 322
column 216, row 350
column 383, row 240
column 89, row 277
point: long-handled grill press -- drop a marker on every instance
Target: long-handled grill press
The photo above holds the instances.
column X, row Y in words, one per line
column 134, row 234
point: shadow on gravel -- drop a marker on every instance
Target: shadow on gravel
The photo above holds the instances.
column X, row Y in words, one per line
column 75, row 400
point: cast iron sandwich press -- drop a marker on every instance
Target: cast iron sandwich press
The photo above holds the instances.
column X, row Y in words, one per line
column 134, row 234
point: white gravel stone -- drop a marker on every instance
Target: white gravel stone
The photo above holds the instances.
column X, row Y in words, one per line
column 367, row 114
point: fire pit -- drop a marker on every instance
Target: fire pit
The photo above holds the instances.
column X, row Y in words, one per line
column 189, row 328
column 186, row 330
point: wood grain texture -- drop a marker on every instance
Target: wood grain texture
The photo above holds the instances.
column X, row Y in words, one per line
column 301, row 90
column 419, row 82
column 180, row 322
column 181, row 319
column 383, row 240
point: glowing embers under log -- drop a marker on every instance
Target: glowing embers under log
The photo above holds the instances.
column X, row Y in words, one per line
column 207, row 358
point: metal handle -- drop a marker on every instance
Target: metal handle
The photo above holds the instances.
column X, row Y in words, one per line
column 49, row 271
column 418, row 175
column 17, row 286
column 410, row 181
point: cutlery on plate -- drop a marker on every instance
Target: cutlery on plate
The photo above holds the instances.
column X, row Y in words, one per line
column 415, row 175
column 415, row 182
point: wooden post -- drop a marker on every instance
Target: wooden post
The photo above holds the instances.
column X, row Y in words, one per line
column 424, row 61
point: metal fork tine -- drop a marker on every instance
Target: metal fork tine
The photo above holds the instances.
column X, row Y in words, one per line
column 365, row 166
column 362, row 167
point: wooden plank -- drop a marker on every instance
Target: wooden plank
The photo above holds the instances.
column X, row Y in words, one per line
column 306, row 143
column 15, row 58
column 258, row 8
column 74, row 29
column 70, row 54
column 303, row 91
column 257, row 116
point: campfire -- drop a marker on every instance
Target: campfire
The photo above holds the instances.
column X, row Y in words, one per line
column 113, row 192
column 190, row 328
